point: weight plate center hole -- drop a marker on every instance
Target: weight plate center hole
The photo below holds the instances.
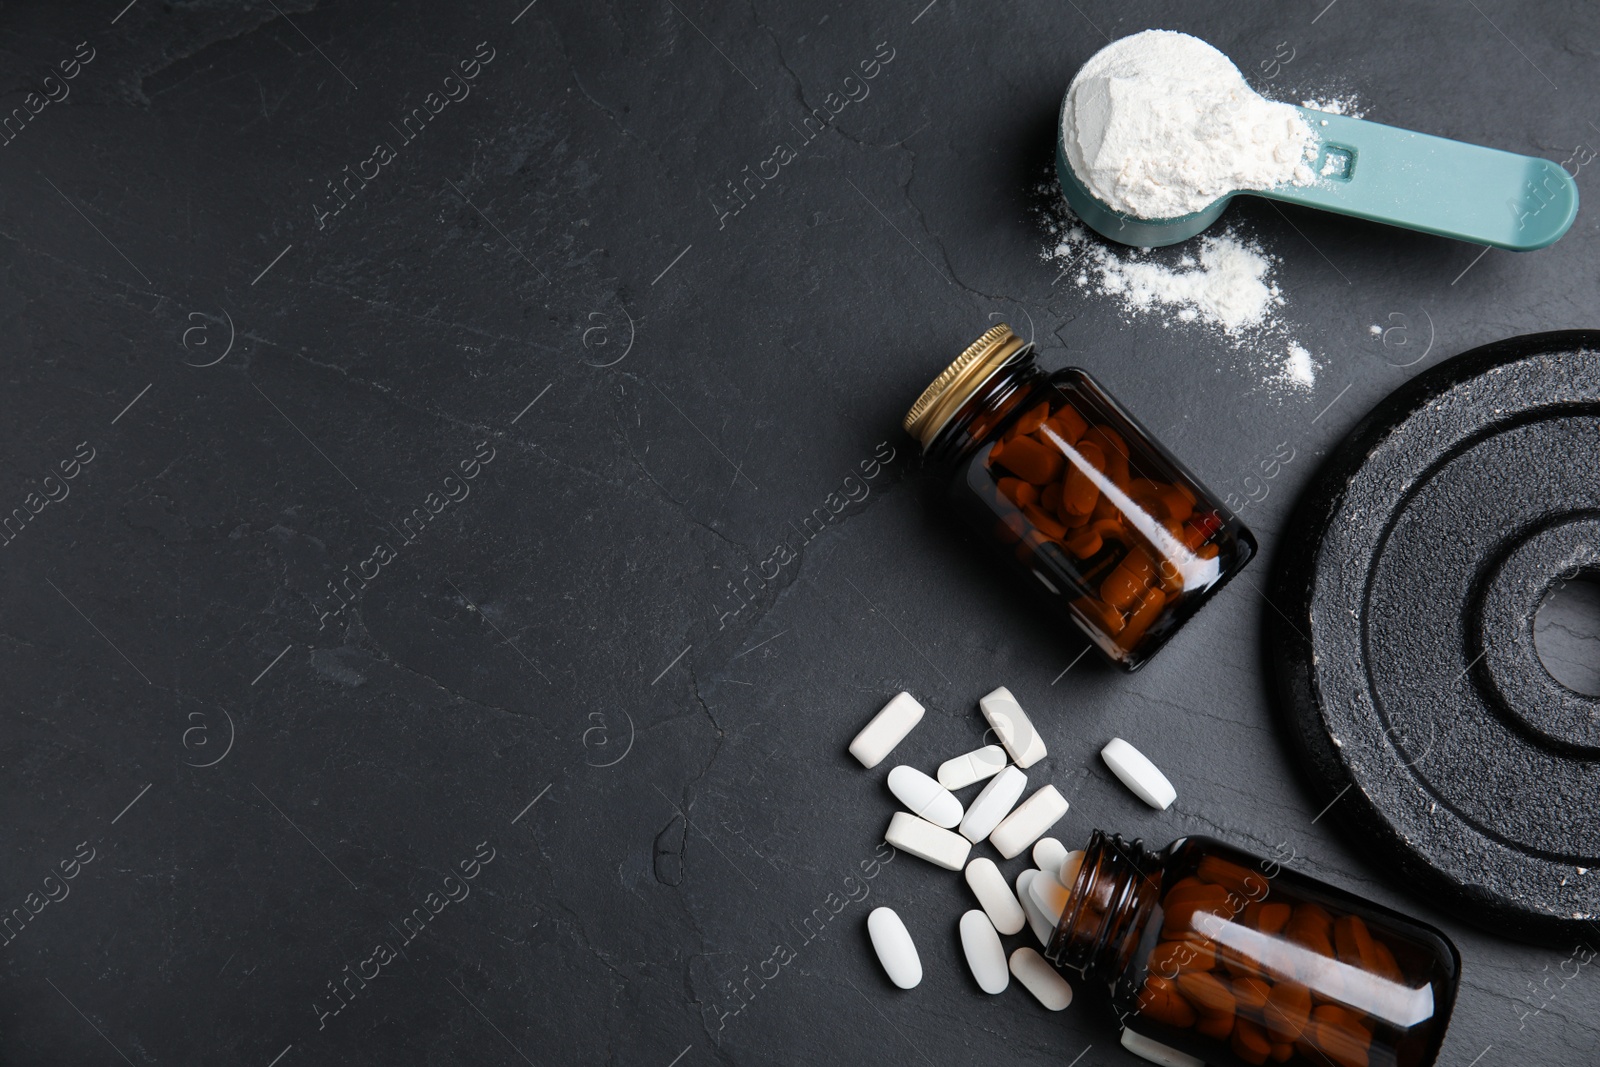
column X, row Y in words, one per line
column 1566, row 632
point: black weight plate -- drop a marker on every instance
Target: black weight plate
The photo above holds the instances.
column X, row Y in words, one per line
column 1409, row 685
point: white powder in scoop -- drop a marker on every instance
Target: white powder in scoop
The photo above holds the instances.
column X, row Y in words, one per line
column 1161, row 124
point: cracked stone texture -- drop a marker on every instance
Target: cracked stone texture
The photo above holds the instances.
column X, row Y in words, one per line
column 700, row 381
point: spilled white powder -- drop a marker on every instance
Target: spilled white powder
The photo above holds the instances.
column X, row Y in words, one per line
column 1221, row 281
column 1161, row 124
column 1226, row 282
column 1299, row 369
column 1336, row 105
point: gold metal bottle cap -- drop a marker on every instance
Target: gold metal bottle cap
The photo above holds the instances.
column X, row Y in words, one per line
column 944, row 397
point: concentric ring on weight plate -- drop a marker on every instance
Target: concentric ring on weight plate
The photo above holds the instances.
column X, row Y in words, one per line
column 1406, row 688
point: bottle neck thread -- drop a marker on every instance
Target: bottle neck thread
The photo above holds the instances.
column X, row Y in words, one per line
column 983, row 406
column 1108, row 907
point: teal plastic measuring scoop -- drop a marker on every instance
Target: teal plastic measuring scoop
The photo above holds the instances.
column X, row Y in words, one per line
column 1383, row 174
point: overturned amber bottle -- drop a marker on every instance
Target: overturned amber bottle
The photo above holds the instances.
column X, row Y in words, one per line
column 1235, row 960
column 1094, row 513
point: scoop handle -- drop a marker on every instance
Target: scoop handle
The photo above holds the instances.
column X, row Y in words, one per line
column 1434, row 184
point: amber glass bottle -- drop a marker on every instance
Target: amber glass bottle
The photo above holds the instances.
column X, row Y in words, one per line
column 1091, row 511
column 1237, row 960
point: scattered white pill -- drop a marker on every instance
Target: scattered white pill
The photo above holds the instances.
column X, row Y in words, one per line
column 1043, row 929
column 925, row 797
column 1048, row 854
column 1156, row 1052
column 886, row 730
column 1041, row 979
column 1050, row 895
column 892, row 942
column 989, row 886
column 1069, row 868
column 986, row 957
column 926, row 841
column 972, row 767
column 1033, row 817
column 1013, row 726
column 1138, row 774
column 993, row 803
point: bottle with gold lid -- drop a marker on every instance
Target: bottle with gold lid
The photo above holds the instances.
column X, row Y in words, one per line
column 1092, row 512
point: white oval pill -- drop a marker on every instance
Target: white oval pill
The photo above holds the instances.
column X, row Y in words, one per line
column 926, row 841
column 989, row 886
column 1013, row 727
column 1138, row 774
column 1043, row 929
column 1033, row 817
column 1048, row 854
column 1154, row 1051
column 993, row 803
column 896, row 951
column 971, row 767
column 886, row 730
column 1050, row 895
column 986, row 957
column 1069, row 868
column 925, row 797
column 1041, row 979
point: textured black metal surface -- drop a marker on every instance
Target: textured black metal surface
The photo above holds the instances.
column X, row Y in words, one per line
column 1410, row 577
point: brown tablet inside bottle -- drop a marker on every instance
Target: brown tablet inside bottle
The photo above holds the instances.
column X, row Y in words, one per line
column 1081, row 501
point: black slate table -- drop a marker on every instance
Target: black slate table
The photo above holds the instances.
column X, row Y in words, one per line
column 428, row 387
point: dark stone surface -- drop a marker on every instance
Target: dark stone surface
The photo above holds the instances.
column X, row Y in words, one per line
column 299, row 784
column 1409, row 581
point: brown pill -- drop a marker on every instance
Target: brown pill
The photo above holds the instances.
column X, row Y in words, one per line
column 1385, row 964
column 1251, row 994
column 1079, row 494
column 1171, row 576
column 1281, row 1053
column 1068, row 424
column 1219, row 1025
column 1311, row 926
column 1030, row 421
column 1287, row 1011
column 1209, row 994
column 1143, row 615
column 1310, row 938
column 1338, row 1032
column 1241, row 880
column 1100, row 616
column 1185, row 887
column 1124, row 586
column 1181, row 905
column 1353, row 943
column 1250, row 1042
column 1116, row 452
column 1239, row 965
column 1050, row 497
column 1172, row 957
column 1160, row 1001
column 1030, row 461
column 1270, row 918
column 1044, row 522
column 1179, row 506
column 1084, row 544
column 1017, row 491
